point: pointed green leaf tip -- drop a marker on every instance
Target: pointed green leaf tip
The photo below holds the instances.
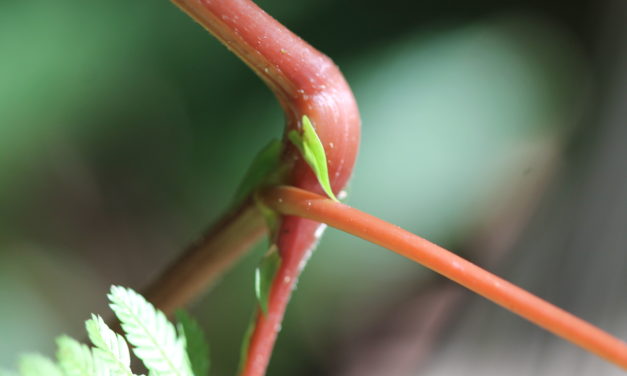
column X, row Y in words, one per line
column 111, row 352
column 196, row 343
column 312, row 150
column 264, row 274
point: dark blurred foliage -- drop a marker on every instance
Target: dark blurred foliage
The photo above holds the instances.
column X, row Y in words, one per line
column 495, row 128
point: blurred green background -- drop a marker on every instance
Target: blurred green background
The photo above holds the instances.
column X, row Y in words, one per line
column 496, row 129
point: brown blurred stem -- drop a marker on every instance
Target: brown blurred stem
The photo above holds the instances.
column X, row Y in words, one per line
column 206, row 260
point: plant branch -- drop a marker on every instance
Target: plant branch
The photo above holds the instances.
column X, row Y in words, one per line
column 306, row 83
column 304, row 80
column 297, row 202
column 207, row 259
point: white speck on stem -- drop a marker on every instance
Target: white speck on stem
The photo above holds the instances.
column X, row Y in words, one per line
column 457, row 266
column 320, row 230
column 306, row 258
column 342, row 195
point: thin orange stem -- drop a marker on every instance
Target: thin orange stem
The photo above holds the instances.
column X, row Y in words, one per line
column 297, row 202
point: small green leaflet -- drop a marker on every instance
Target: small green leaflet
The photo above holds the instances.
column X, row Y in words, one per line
column 147, row 329
column 264, row 275
column 195, row 342
column 153, row 337
column 265, row 163
column 38, row 365
column 74, row 357
column 111, row 351
column 312, row 150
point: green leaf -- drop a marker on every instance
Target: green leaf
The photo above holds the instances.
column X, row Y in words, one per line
column 38, row 365
column 153, row 337
column 271, row 217
column 196, row 343
column 74, row 358
column 111, row 355
column 243, row 351
column 312, row 150
column 264, row 275
column 266, row 162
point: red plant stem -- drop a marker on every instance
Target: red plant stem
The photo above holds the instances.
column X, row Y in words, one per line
column 297, row 202
column 306, row 82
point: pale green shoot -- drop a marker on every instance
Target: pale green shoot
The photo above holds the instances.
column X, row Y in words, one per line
column 312, row 151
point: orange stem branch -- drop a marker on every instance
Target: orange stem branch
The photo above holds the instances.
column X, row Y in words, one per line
column 297, row 202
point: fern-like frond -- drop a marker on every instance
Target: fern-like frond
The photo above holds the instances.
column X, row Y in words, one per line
column 111, row 352
column 153, row 337
column 195, row 343
column 38, row 365
column 75, row 358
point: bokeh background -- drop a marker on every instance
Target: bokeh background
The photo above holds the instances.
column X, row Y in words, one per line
column 495, row 128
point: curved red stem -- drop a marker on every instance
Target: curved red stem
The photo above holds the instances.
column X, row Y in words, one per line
column 294, row 201
column 306, row 82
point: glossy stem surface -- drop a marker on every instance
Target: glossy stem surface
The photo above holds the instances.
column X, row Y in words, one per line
column 297, row 202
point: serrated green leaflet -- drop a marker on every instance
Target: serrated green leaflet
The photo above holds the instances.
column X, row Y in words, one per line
column 111, row 353
column 264, row 275
column 153, row 337
column 196, row 343
column 265, row 163
column 75, row 358
column 312, row 150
